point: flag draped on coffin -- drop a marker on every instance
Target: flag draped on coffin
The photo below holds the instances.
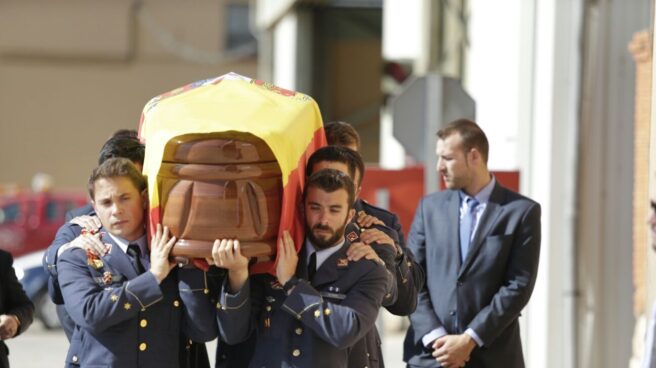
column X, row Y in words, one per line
column 289, row 122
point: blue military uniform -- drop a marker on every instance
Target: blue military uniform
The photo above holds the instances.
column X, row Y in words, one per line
column 408, row 276
column 125, row 319
column 317, row 323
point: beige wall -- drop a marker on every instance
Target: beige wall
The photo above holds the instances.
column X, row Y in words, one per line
column 62, row 95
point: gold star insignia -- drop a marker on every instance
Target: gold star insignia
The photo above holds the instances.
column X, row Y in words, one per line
column 114, row 297
column 127, row 306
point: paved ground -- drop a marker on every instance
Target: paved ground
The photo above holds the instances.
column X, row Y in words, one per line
column 39, row 348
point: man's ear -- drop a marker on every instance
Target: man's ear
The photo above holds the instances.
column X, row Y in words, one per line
column 351, row 213
column 144, row 198
column 474, row 156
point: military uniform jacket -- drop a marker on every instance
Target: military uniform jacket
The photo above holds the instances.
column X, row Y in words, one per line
column 317, row 323
column 127, row 320
column 408, row 276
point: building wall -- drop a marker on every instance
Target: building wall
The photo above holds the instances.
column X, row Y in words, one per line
column 72, row 72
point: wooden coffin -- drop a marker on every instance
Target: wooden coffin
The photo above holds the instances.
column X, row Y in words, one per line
column 219, row 186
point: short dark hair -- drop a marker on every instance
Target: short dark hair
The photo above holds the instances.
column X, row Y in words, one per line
column 339, row 133
column 130, row 133
column 331, row 180
column 472, row 136
column 122, row 146
column 350, row 158
column 114, row 168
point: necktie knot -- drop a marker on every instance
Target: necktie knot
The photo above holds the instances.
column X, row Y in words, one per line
column 472, row 203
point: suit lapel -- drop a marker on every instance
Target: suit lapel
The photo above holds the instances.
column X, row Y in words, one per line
column 118, row 260
column 452, row 228
column 485, row 225
column 329, row 271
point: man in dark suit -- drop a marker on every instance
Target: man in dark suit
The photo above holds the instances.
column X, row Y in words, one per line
column 479, row 244
column 16, row 309
column 129, row 303
column 320, row 303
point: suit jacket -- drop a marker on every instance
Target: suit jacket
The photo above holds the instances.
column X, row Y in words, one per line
column 317, row 323
column 489, row 289
column 13, row 300
column 127, row 320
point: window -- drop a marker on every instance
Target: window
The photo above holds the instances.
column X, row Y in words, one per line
column 238, row 33
column 9, row 213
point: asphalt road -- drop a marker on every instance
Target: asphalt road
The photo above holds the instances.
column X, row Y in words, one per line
column 39, row 348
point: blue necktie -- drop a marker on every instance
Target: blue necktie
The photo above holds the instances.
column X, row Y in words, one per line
column 466, row 226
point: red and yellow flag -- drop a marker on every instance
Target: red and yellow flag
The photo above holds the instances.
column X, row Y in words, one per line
column 289, row 122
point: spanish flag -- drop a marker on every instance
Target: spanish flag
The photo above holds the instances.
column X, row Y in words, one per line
column 289, row 122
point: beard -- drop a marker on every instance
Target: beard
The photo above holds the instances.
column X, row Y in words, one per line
column 324, row 243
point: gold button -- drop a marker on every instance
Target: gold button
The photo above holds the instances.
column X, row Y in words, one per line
column 298, row 330
column 327, row 311
column 218, row 305
column 317, row 313
column 143, row 323
column 75, row 359
column 268, row 308
column 176, row 303
column 206, row 291
column 296, row 352
column 143, row 346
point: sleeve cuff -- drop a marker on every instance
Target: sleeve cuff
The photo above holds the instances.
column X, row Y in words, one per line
column 428, row 339
column 237, row 300
column 144, row 289
column 474, row 336
column 302, row 298
column 192, row 280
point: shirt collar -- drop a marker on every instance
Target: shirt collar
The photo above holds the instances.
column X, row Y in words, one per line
column 123, row 244
column 322, row 254
column 483, row 196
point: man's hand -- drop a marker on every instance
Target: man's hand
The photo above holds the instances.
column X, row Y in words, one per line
column 226, row 253
column 453, row 350
column 8, row 326
column 359, row 250
column 287, row 258
column 373, row 235
column 160, row 247
column 89, row 242
column 89, row 223
column 365, row 220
